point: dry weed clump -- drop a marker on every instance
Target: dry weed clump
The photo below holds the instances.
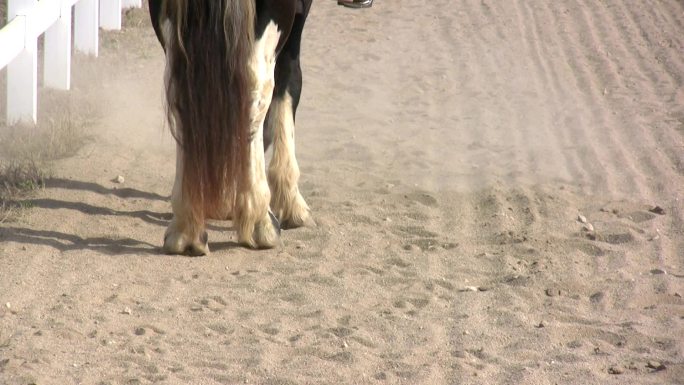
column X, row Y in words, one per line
column 26, row 153
column 3, row 13
column 16, row 180
column 20, row 177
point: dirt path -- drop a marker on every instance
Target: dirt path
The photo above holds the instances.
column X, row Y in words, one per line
column 447, row 149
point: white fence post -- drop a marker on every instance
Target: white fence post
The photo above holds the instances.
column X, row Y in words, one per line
column 57, row 59
column 22, row 72
column 28, row 19
column 131, row 4
column 110, row 14
column 86, row 36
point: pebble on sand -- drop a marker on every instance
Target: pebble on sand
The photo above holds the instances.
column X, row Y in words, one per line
column 655, row 365
column 552, row 292
column 119, row 179
column 588, row 227
column 411, row 247
column 657, row 210
column 582, row 218
column 616, row 369
column 126, row 310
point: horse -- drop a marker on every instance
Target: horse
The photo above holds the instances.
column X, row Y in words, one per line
column 233, row 81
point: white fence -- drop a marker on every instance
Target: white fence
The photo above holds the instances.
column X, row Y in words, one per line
column 28, row 19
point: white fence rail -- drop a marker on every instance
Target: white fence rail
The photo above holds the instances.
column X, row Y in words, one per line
column 27, row 20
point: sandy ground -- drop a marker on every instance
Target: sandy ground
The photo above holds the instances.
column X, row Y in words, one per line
column 447, row 149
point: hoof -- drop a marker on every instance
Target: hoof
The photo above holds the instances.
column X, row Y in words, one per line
column 301, row 221
column 296, row 215
column 179, row 243
column 266, row 234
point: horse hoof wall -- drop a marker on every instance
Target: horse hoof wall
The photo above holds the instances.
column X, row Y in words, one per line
column 267, row 233
column 177, row 243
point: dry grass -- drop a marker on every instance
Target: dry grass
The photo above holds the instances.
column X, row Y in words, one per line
column 3, row 13
column 17, row 179
column 27, row 151
column 57, row 137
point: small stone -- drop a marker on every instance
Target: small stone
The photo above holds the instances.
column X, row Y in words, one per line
column 657, row 210
column 299, row 246
column 658, row 271
column 541, row 324
column 8, row 305
column 119, row 179
column 597, row 297
column 677, row 295
column 139, row 331
column 582, row 218
column 345, row 344
column 588, row 227
column 388, row 219
column 655, row 365
column 552, row 292
column 616, row 369
column 126, row 310
column 470, row 288
column 411, row 247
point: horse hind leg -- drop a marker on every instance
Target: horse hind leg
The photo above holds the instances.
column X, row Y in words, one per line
column 255, row 225
column 185, row 235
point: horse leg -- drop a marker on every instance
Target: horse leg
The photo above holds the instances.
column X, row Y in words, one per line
column 283, row 171
column 255, row 225
column 184, row 235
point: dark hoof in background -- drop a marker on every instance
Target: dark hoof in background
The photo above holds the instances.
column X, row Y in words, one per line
column 355, row 3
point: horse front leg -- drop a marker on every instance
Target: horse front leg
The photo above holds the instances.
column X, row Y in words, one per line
column 283, row 172
column 256, row 226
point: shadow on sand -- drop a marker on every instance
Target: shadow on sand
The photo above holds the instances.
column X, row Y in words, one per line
column 67, row 242
column 126, row 192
